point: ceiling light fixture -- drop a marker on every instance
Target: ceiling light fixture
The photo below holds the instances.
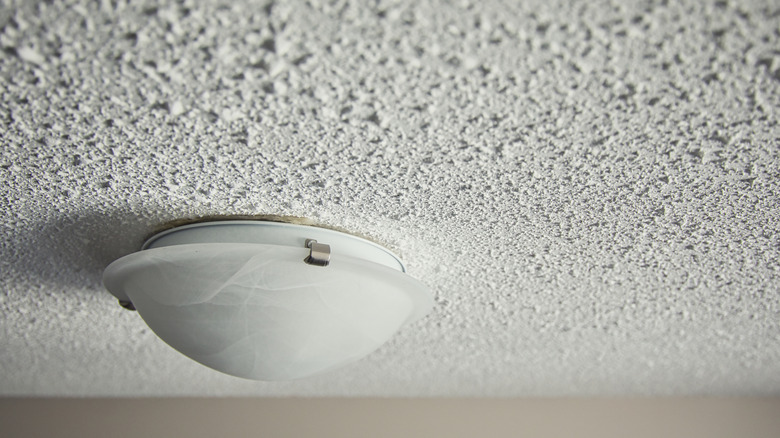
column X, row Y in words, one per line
column 268, row 300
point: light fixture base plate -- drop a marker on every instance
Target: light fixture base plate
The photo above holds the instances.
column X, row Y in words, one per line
column 275, row 233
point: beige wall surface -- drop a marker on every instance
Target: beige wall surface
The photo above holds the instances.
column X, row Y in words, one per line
column 322, row 418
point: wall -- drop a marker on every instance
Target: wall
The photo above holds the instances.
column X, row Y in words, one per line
column 198, row 417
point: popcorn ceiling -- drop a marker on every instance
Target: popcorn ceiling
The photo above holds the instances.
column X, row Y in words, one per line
column 590, row 188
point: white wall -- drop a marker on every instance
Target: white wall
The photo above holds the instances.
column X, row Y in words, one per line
column 344, row 418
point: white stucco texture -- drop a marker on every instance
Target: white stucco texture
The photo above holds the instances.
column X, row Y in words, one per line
column 589, row 188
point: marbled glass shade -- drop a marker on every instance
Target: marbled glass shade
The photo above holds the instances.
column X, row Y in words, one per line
column 257, row 311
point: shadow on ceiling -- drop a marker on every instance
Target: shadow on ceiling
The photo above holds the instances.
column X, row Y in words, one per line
column 72, row 250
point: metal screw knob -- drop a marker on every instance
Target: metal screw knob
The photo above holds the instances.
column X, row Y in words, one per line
column 319, row 254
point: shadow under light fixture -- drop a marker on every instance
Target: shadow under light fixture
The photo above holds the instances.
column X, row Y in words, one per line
column 268, row 300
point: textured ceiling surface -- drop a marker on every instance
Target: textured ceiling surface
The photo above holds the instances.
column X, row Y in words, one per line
column 589, row 188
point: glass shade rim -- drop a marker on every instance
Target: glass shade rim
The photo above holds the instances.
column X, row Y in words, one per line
column 278, row 233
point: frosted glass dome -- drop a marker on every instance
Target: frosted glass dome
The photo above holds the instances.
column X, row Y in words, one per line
column 237, row 296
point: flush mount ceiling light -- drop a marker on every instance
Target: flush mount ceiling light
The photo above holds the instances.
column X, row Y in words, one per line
column 268, row 300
